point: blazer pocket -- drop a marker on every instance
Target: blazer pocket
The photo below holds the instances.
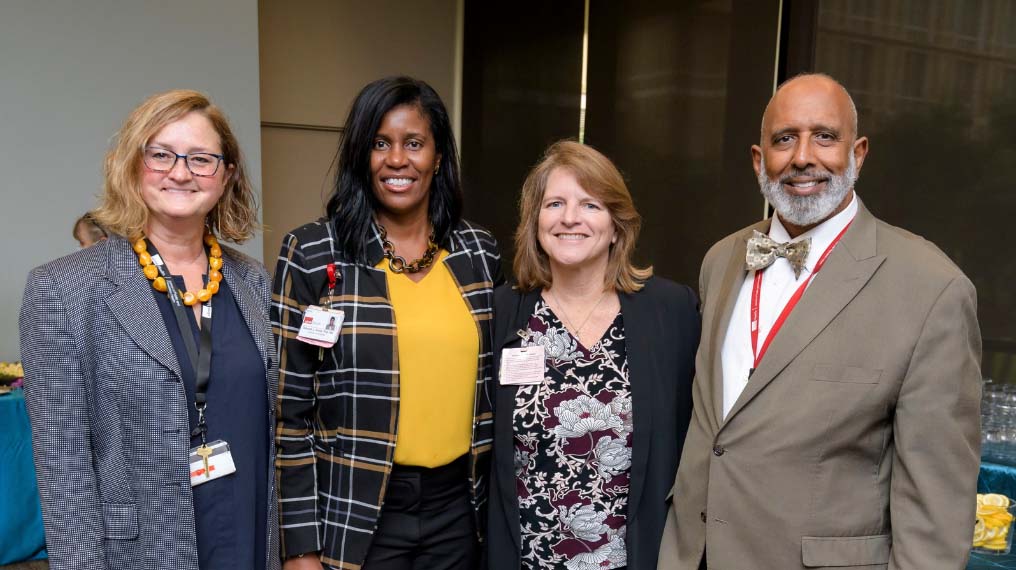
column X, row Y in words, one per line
column 849, row 374
column 833, row 551
column 120, row 520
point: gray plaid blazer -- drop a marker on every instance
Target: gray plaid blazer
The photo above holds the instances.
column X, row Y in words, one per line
column 109, row 415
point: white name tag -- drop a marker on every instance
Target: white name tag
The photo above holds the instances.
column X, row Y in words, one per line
column 520, row 366
column 220, row 463
column 321, row 327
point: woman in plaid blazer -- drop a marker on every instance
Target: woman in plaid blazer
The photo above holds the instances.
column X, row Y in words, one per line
column 110, row 384
column 362, row 480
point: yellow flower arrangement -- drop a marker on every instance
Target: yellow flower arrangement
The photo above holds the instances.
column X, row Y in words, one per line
column 11, row 371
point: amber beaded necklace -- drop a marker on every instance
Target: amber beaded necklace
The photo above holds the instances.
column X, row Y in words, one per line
column 159, row 283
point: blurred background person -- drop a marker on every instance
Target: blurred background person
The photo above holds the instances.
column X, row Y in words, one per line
column 87, row 231
column 127, row 381
column 395, row 410
column 586, row 450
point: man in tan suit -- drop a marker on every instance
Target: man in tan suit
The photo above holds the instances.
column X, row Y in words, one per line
column 836, row 418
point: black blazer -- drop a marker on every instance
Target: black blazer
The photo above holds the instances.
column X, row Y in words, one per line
column 661, row 326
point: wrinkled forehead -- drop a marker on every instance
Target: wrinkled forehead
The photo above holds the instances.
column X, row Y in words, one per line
column 807, row 107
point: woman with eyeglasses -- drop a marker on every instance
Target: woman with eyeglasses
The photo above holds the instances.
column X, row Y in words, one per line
column 150, row 373
column 385, row 421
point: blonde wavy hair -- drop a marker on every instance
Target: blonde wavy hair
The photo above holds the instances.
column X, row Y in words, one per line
column 598, row 176
column 122, row 210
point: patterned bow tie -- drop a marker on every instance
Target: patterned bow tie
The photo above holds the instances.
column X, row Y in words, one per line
column 763, row 251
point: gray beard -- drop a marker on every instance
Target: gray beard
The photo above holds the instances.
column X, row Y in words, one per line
column 807, row 210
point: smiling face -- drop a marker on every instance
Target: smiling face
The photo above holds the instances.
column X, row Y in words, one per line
column 574, row 229
column 810, row 153
column 177, row 196
column 403, row 160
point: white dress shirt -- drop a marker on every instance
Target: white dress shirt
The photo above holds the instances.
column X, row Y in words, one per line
column 778, row 286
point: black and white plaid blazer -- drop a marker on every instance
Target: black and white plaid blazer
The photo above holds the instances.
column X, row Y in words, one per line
column 110, row 429
column 338, row 408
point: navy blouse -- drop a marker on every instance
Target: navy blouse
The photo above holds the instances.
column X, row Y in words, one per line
column 229, row 512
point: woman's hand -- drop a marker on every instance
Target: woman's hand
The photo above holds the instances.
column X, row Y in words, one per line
column 308, row 562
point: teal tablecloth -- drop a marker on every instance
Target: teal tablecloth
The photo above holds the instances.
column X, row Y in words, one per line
column 21, row 534
column 995, row 479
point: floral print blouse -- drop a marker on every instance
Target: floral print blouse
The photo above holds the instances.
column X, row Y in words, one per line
column 573, row 436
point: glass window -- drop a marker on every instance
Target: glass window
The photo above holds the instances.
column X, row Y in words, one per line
column 1007, row 29
column 915, row 74
column 860, row 64
column 964, row 81
column 942, row 168
column 916, row 14
column 967, row 18
column 1009, row 84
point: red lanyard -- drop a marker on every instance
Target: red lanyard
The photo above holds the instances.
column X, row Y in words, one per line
column 756, row 295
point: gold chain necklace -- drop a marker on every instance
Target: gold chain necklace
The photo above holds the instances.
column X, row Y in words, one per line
column 398, row 264
column 568, row 319
column 159, row 283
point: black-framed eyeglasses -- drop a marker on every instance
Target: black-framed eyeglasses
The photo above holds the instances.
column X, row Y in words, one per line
column 198, row 163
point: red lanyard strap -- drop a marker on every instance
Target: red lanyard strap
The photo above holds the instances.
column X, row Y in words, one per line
column 330, row 268
column 756, row 295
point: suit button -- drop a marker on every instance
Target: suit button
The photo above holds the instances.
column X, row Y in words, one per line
column 702, row 516
column 718, row 451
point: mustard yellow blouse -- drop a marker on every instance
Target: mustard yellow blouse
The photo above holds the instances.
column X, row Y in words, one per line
column 438, row 351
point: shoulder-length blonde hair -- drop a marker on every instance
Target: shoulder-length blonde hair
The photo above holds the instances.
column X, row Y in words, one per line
column 598, row 176
column 122, row 211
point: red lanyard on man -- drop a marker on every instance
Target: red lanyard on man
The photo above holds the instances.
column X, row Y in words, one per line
column 756, row 295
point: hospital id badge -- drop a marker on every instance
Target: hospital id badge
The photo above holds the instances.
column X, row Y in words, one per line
column 210, row 461
column 522, row 366
column 321, row 326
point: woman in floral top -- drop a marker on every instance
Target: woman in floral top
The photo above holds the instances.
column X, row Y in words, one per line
column 585, row 452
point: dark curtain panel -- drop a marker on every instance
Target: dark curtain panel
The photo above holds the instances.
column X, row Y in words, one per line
column 521, row 85
column 675, row 98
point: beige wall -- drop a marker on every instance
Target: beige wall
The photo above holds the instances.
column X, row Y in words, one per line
column 315, row 57
column 71, row 72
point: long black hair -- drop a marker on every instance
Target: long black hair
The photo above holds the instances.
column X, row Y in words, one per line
column 352, row 203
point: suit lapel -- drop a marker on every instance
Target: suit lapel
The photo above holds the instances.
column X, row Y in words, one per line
column 730, row 286
column 460, row 265
column 134, row 306
column 848, row 268
column 640, row 332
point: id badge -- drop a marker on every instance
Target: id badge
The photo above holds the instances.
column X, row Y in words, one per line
column 522, row 366
column 212, row 463
column 321, row 327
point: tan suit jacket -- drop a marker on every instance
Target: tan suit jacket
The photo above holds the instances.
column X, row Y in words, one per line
column 856, row 442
